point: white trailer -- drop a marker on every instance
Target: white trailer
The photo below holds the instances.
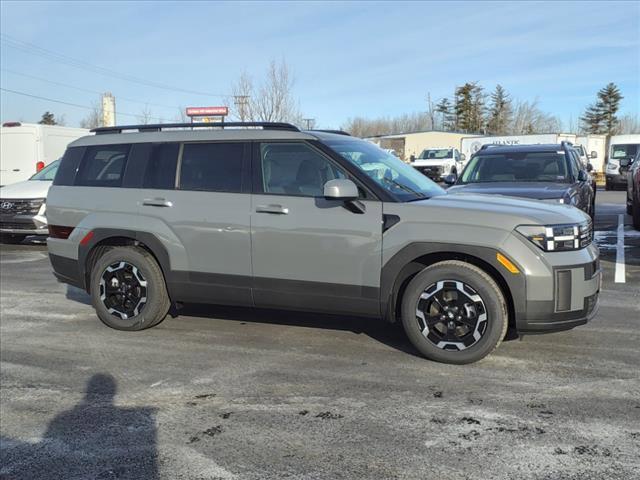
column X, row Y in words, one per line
column 470, row 145
column 26, row 146
column 593, row 144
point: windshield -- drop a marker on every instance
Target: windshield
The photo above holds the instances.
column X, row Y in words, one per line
column 436, row 153
column 624, row 151
column 401, row 180
column 517, row 167
column 48, row 172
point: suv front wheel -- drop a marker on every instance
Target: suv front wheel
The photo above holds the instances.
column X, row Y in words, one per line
column 128, row 289
column 454, row 312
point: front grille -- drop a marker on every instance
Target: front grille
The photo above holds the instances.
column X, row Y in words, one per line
column 20, row 206
column 432, row 171
column 585, row 234
column 17, row 226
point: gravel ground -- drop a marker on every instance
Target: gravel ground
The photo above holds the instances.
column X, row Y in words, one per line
column 220, row 393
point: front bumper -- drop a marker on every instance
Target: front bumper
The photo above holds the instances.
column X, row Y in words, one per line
column 616, row 178
column 576, row 300
column 23, row 225
column 435, row 173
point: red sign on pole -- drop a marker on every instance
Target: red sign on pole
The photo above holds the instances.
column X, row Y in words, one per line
column 207, row 111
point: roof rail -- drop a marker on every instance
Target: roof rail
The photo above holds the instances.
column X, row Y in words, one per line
column 489, row 145
column 157, row 127
column 566, row 142
column 337, row 132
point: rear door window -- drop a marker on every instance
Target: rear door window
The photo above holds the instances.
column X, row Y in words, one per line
column 103, row 166
column 212, row 167
column 161, row 167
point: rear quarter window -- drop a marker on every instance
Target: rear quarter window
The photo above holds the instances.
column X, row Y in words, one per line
column 68, row 168
column 103, row 166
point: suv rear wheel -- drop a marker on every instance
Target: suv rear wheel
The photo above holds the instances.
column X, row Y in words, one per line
column 128, row 289
column 454, row 312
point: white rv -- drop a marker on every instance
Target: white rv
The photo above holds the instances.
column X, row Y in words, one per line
column 25, row 148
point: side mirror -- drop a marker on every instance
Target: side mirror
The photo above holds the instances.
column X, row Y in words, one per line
column 594, row 154
column 340, row 189
column 450, row 179
column 589, row 167
column 463, row 157
column 412, row 158
column 624, row 162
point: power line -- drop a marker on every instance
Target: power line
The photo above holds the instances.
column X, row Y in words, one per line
column 86, row 107
column 33, row 49
column 81, row 89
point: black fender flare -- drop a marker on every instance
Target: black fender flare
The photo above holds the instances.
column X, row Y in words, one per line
column 406, row 262
column 100, row 234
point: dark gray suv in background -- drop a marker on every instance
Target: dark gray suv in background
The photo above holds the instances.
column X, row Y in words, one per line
column 266, row 215
column 552, row 173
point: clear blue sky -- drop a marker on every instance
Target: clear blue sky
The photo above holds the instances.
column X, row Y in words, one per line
column 349, row 59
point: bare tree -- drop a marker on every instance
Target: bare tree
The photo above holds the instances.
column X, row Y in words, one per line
column 94, row 117
column 145, row 115
column 181, row 116
column 272, row 101
column 629, row 123
column 528, row 118
column 406, row 123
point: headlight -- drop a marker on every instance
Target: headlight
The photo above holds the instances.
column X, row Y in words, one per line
column 558, row 238
column 612, row 165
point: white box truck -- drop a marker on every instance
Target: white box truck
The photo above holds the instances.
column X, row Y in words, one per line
column 26, row 148
column 470, row 145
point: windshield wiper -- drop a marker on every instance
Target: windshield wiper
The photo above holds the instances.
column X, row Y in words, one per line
column 405, row 188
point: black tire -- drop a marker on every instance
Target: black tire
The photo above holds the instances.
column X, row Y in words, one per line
column 635, row 216
column 13, row 239
column 492, row 300
column 157, row 303
column 629, row 209
column 607, row 185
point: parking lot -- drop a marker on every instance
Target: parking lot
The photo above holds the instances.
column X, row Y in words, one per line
column 220, row 393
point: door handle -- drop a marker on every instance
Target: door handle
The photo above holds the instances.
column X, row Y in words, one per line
column 276, row 209
column 157, row 202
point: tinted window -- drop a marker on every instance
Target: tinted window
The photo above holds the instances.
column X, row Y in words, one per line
column 517, row 167
column 295, row 169
column 574, row 161
column 213, row 167
column 161, row 166
column 103, row 166
column 68, row 167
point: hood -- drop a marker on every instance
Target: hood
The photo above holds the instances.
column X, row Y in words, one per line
column 27, row 189
column 431, row 162
column 494, row 211
column 533, row 190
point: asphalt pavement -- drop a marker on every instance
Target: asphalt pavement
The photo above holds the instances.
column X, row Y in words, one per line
column 221, row 393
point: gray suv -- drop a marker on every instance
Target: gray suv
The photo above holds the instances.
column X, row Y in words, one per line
column 266, row 215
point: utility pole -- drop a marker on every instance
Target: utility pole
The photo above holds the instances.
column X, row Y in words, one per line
column 310, row 122
column 241, row 102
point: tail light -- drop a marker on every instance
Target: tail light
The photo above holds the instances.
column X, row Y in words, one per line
column 39, row 166
column 58, row 231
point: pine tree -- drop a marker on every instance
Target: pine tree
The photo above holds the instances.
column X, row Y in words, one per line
column 447, row 117
column 48, row 119
column 469, row 107
column 500, row 112
column 601, row 117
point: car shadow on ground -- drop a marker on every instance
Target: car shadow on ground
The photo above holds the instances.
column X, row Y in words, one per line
column 94, row 439
column 388, row 334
